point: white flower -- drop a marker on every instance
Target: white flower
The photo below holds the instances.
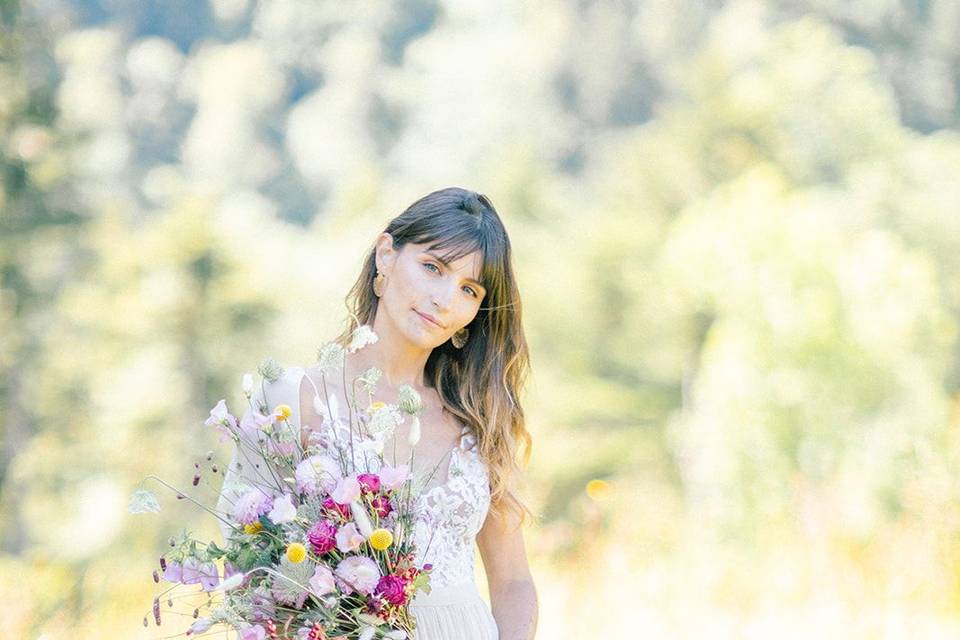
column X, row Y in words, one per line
column 369, row 378
column 367, row 633
column 329, row 356
column 201, row 625
column 384, row 420
column 232, row 582
column 362, row 336
column 247, row 384
column 414, row 436
column 317, row 472
column 363, row 520
column 409, row 400
column 283, row 510
column 396, row 634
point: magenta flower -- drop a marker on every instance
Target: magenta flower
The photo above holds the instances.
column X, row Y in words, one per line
column 322, row 536
column 342, row 509
column 393, row 589
column 381, row 504
column 369, row 482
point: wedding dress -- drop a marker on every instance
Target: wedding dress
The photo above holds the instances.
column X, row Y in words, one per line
column 449, row 514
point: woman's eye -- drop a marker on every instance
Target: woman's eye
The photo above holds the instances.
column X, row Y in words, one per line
column 430, row 264
column 472, row 292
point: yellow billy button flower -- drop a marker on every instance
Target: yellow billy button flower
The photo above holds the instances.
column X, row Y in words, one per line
column 284, row 410
column 296, row 552
column 381, row 539
column 253, row 527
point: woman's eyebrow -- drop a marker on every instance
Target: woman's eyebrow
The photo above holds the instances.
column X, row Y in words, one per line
column 447, row 264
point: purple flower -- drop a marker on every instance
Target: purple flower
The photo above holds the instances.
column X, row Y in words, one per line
column 342, row 509
column 191, row 571
column 322, row 536
column 173, row 572
column 256, row 632
column 251, row 505
column 209, row 578
column 360, row 573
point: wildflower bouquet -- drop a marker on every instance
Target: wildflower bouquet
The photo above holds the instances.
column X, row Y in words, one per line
column 318, row 544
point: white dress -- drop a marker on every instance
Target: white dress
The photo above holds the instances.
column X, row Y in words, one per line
column 449, row 516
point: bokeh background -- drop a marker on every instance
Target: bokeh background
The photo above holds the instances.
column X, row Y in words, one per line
column 736, row 230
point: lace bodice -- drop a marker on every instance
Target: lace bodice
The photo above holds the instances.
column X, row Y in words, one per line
column 448, row 514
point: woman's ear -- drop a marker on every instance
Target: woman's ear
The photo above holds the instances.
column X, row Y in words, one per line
column 385, row 253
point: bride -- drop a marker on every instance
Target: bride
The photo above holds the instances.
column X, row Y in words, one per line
column 438, row 290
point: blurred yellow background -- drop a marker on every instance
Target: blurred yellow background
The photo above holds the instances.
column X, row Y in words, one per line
column 735, row 226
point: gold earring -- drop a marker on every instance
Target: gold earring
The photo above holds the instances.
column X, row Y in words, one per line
column 460, row 338
column 378, row 284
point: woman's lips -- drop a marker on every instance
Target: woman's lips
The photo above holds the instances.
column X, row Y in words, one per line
column 428, row 319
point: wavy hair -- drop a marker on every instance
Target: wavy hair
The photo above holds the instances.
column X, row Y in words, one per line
column 481, row 382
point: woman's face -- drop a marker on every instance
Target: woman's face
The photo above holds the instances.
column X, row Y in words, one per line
column 419, row 284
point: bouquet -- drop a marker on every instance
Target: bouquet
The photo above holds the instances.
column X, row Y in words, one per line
column 318, row 536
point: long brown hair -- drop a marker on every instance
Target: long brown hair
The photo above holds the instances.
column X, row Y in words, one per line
column 481, row 382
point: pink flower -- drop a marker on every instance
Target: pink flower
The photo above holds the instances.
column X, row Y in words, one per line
column 347, row 490
column 317, row 473
column 381, row 504
column 322, row 581
column 360, row 573
column 221, row 420
column 369, row 482
column 393, row 589
column 251, row 505
column 393, row 477
column 322, row 536
column 349, row 538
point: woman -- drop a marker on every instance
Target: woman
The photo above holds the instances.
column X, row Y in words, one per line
column 438, row 291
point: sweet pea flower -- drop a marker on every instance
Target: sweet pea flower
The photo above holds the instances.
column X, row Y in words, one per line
column 349, row 538
column 347, row 490
column 221, row 420
column 393, row 477
column 322, row 581
column 283, row 510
